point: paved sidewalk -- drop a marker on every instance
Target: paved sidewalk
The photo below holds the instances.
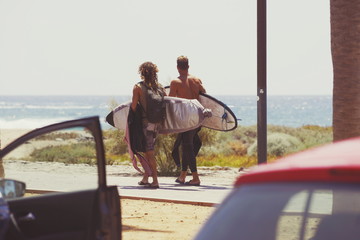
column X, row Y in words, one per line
column 215, row 186
column 216, row 183
column 210, row 191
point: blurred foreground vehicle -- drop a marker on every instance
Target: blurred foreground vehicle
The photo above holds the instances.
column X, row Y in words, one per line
column 68, row 158
column 313, row 195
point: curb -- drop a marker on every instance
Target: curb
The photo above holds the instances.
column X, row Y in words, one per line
column 203, row 204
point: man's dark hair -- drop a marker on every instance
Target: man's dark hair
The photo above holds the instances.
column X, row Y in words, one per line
column 183, row 62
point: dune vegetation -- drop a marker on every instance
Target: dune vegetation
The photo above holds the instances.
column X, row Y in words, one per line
column 236, row 148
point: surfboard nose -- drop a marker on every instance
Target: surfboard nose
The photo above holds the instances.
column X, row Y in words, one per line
column 110, row 119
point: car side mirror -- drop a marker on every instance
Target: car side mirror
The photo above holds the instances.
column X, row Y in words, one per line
column 10, row 188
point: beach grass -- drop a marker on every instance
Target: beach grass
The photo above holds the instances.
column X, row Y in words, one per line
column 237, row 149
column 74, row 153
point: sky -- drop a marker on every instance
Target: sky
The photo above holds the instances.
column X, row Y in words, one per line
column 88, row 47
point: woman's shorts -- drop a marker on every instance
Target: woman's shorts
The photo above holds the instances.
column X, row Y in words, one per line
column 150, row 136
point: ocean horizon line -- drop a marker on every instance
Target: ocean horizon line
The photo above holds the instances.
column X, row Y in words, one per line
column 284, row 110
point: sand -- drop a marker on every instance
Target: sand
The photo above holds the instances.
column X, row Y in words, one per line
column 161, row 220
column 8, row 135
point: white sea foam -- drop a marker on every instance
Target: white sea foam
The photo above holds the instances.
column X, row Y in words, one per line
column 28, row 123
column 19, row 106
column 58, row 107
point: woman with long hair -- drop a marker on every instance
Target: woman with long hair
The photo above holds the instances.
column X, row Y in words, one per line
column 148, row 72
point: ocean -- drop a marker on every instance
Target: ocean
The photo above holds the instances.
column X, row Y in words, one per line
column 29, row 112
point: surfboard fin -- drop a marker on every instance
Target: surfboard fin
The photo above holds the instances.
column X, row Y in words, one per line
column 207, row 112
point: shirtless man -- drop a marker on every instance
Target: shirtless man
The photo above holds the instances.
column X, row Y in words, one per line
column 189, row 87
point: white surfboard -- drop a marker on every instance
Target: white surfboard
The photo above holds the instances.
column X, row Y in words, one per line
column 223, row 118
column 181, row 115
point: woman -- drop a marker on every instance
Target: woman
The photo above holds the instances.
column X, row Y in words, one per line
column 148, row 72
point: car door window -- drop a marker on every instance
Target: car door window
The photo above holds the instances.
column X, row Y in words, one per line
column 62, row 161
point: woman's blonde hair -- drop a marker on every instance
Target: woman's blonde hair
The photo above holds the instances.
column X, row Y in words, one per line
column 148, row 72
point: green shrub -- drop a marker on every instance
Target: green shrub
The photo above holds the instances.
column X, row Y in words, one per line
column 209, row 136
column 309, row 135
column 313, row 136
column 114, row 142
column 238, row 148
column 165, row 162
column 79, row 153
column 279, row 144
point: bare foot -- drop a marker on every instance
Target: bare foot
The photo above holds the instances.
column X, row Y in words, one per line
column 192, row 183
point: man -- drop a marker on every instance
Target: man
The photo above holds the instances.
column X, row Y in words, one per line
column 189, row 87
